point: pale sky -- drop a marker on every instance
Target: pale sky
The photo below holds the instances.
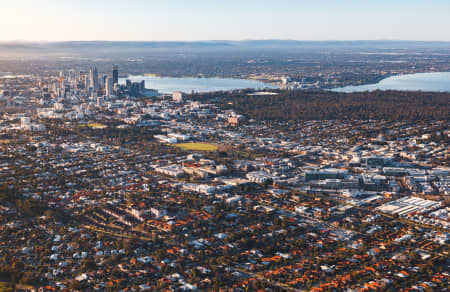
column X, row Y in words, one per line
column 154, row 20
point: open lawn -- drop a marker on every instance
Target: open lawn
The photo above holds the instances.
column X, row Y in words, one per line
column 96, row 126
column 197, row 146
column 4, row 287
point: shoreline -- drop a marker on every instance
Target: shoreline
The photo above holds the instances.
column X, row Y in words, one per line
column 351, row 86
column 354, row 88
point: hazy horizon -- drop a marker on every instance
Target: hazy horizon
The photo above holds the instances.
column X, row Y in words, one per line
column 200, row 20
column 222, row 40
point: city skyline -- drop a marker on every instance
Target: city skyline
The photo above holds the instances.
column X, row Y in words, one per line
column 176, row 20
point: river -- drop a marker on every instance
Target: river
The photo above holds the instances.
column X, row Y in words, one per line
column 189, row 84
column 436, row 81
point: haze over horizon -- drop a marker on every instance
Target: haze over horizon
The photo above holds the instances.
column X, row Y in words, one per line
column 197, row 20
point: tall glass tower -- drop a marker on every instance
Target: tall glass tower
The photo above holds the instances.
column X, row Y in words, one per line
column 93, row 78
column 115, row 74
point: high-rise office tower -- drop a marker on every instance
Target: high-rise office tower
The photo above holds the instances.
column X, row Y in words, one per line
column 90, row 77
column 103, row 85
column 109, row 86
column 85, row 79
column 93, row 78
column 115, row 74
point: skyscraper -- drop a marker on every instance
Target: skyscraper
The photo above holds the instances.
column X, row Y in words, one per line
column 115, row 74
column 109, row 87
column 103, row 79
column 93, row 78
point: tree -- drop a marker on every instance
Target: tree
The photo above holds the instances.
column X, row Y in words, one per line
column 88, row 265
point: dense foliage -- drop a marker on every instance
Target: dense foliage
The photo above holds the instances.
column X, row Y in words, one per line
column 326, row 105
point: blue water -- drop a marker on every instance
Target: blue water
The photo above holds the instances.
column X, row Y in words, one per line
column 436, row 81
column 189, row 84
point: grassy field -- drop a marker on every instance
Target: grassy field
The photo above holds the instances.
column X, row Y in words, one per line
column 4, row 287
column 96, row 126
column 197, row 146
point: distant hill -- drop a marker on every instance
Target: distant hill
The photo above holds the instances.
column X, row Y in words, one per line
column 99, row 47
